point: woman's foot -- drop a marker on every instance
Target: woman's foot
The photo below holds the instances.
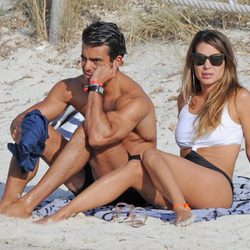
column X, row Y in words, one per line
column 184, row 215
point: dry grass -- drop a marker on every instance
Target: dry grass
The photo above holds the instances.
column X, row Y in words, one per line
column 77, row 13
column 70, row 21
column 37, row 12
column 80, row 13
column 140, row 20
column 163, row 22
column 107, row 5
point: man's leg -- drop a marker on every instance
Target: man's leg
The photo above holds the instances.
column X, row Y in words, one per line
column 17, row 179
column 56, row 143
column 64, row 165
column 15, row 184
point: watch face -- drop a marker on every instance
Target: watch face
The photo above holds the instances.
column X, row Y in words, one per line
column 101, row 89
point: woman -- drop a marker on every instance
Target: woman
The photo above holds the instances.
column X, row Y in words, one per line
column 214, row 114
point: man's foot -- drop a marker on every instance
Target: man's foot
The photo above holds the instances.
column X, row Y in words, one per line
column 3, row 205
column 184, row 217
column 17, row 209
column 4, row 202
column 46, row 220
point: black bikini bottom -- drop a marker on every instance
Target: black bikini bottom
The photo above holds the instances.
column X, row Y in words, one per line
column 196, row 158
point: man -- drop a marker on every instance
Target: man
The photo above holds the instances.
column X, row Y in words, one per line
column 119, row 123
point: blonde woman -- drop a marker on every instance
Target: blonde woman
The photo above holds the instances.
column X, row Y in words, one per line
column 214, row 114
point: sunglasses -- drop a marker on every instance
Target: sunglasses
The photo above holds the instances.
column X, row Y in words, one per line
column 215, row 59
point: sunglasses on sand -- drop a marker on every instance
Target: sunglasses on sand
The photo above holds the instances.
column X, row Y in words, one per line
column 215, row 59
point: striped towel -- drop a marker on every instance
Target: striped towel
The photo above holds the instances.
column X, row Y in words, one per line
column 68, row 122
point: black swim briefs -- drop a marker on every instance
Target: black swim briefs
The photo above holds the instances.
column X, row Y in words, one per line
column 134, row 157
column 130, row 196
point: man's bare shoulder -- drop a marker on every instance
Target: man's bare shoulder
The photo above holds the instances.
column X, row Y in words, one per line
column 133, row 92
column 66, row 89
column 72, row 82
column 135, row 99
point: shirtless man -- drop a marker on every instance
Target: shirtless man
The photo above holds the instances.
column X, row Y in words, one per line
column 119, row 125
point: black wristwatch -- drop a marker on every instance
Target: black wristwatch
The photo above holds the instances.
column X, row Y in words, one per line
column 97, row 88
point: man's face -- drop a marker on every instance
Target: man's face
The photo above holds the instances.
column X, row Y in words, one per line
column 92, row 57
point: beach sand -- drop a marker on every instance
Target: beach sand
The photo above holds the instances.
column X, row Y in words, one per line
column 30, row 68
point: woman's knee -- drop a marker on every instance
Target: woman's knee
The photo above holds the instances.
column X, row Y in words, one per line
column 150, row 157
column 133, row 168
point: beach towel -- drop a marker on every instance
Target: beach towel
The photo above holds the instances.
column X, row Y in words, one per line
column 241, row 203
column 68, row 122
column 31, row 146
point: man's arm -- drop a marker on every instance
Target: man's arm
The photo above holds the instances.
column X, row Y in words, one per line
column 51, row 107
column 109, row 128
column 105, row 129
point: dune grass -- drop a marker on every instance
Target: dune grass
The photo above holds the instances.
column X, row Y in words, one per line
column 139, row 20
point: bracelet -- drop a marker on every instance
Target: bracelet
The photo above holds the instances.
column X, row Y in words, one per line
column 86, row 88
column 95, row 82
column 185, row 205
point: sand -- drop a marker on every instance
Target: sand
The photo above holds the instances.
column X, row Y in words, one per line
column 30, row 68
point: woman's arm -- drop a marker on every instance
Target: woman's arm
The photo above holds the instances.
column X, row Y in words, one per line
column 243, row 110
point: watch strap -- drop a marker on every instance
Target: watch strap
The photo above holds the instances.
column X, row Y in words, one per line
column 96, row 88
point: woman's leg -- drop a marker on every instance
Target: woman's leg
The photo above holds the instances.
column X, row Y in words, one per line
column 108, row 188
column 180, row 181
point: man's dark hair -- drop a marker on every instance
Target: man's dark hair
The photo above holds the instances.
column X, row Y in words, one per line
column 105, row 33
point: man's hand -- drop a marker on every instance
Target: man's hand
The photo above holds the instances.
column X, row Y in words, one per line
column 105, row 73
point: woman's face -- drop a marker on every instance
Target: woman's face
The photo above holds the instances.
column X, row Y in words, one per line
column 207, row 73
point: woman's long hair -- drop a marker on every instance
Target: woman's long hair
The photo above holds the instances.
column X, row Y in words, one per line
column 209, row 116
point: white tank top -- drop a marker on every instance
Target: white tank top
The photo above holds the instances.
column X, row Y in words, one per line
column 228, row 132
